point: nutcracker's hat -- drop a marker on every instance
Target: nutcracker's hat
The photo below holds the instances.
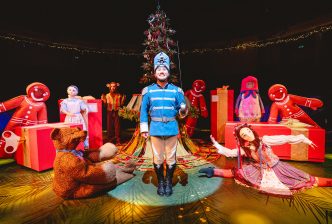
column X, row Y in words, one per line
column 161, row 59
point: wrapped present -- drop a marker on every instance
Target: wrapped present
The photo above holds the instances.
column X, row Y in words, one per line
column 36, row 150
column 222, row 110
column 94, row 122
column 297, row 152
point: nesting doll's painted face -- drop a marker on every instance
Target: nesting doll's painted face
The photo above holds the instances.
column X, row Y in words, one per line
column 38, row 92
column 199, row 86
column 250, row 85
column 277, row 93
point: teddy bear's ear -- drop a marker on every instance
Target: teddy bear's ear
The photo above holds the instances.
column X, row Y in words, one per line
column 55, row 134
column 78, row 128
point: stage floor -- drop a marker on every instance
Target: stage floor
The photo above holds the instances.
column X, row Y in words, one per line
column 26, row 196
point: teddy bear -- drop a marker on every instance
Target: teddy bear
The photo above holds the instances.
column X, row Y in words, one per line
column 82, row 174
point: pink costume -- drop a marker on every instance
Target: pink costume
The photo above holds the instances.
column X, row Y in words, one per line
column 265, row 172
column 249, row 106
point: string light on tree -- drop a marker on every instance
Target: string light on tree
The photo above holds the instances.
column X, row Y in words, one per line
column 158, row 38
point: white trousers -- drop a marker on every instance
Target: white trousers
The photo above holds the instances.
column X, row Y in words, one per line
column 164, row 146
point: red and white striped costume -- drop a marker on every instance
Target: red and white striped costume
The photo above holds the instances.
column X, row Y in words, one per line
column 286, row 105
column 113, row 101
column 31, row 110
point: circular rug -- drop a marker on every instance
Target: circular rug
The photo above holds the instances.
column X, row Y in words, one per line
column 188, row 186
column 183, row 162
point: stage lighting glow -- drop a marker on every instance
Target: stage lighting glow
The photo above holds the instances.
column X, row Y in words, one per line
column 190, row 186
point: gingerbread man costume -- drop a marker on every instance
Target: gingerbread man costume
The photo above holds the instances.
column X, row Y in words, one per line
column 197, row 101
column 287, row 105
column 31, row 110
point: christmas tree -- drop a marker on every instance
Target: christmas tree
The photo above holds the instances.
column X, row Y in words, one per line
column 158, row 38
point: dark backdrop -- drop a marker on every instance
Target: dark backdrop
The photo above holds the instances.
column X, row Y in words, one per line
column 303, row 67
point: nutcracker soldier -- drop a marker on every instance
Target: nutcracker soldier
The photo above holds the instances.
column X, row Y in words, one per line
column 286, row 105
column 161, row 103
column 197, row 101
column 31, row 110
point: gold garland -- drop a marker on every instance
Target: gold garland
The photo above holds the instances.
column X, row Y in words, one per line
column 129, row 114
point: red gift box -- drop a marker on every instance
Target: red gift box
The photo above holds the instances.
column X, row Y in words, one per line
column 37, row 150
column 95, row 129
column 222, row 110
column 297, row 152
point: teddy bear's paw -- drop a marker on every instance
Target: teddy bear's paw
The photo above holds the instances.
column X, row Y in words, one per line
column 109, row 170
column 128, row 169
column 107, row 151
column 122, row 177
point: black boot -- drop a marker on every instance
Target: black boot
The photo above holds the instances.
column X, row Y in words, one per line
column 159, row 169
column 169, row 176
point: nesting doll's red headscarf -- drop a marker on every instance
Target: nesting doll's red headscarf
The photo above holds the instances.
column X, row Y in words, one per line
column 248, row 79
column 249, row 86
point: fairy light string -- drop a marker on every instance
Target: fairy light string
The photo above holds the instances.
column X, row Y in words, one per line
column 27, row 41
